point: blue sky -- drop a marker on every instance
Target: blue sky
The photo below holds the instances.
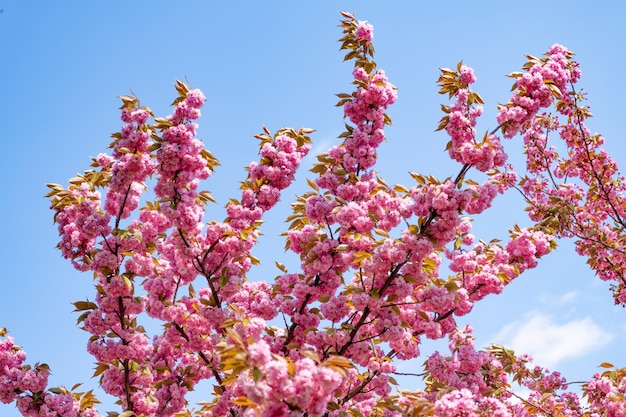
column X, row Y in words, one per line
column 277, row 64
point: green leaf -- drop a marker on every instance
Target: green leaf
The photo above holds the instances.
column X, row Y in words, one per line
column 256, row 374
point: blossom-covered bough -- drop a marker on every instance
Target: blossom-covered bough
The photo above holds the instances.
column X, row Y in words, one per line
column 371, row 285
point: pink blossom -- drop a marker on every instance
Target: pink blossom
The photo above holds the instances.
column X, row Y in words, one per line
column 456, row 403
column 381, row 268
column 466, row 75
column 364, row 31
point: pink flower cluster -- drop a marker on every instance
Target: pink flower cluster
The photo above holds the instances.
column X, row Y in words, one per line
column 364, row 31
column 181, row 164
column 548, row 390
column 131, row 163
column 526, row 246
column 539, row 155
column 124, row 348
column 456, row 403
column 80, row 224
column 367, row 111
column 536, row 89
column 254, row 300
column 221, row 251
column 458, row 383
column 461, row 126
column 379, row 304
column 454, row 385
column 356, row 215
column 574, row 192
column 449, row 202
column 463, row 369
column 14, row 377
column 606, row 395
column 280, row 159
column 27, row 386
column 595, row 210
column 486, row 269
column 279, row 391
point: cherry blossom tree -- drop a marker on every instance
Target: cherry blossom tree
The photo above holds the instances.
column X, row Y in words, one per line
column 381, row 267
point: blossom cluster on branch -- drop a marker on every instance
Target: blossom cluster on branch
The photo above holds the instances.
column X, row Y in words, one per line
column 381, row 267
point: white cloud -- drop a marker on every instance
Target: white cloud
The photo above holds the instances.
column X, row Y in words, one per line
column 549, row 342
column 567, row 297
column 560, row 300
